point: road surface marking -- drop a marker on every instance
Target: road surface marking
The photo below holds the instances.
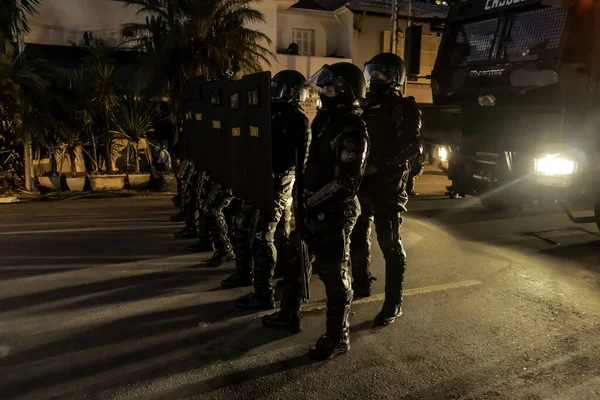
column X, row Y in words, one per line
column 98, row 229
column 438, row 229
column 321, row 304
column 88, row 221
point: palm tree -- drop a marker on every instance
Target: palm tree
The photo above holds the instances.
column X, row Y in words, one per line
column 134, row 119
column 103, row 91
column 189, row 38
column 12, row 19
column 21, row 91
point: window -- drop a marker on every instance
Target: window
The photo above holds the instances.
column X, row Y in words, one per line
column 510, row 37
column 305, row 39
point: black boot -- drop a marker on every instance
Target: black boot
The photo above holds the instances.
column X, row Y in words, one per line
column 180, row 216
column 186, row 233
column 362, row 288
column 236, row 280
column 394, row 286
column 220, row 257
column 283, row 320
column 255, row 301
column 388, row 314
column 410, row 186
column 328, row 347
column 288, row 318
column 336, row 340
column 200, row 247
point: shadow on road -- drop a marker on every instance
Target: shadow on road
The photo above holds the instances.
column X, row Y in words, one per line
column 135, row 349
column 111, row 291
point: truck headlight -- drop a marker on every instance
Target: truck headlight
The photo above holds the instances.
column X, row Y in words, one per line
column 554, row 165
column 443, row 153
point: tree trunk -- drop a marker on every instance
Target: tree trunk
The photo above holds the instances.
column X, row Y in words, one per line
column 38, row 158
column 28, row 162
column 94, row 151
column 73, row 157
column 137, row 160
column 127, row 151
column 107, row 147
column 53, row 165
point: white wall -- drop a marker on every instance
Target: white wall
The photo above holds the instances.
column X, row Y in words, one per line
column 305, row 65
column 59, row 22
column 330, row 32
column 367, row 42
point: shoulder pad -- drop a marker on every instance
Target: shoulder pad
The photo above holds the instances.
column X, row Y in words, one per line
column 409, row 107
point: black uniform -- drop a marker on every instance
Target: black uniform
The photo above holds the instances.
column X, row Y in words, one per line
column 334, row 168
column 394, row 123
column 289, row 126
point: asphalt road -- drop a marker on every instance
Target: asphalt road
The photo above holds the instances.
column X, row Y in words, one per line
column 99, row 301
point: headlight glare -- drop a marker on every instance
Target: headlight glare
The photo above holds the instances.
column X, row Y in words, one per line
column 443, row 153
column 554, row 165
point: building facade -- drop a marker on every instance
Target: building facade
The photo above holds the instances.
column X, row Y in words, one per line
column 326, row 31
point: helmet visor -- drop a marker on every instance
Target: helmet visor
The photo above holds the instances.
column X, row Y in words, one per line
column 379, row 73
column 281, row 92
column 325, row 83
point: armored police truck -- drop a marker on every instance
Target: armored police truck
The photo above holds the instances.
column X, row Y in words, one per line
column 524, row 78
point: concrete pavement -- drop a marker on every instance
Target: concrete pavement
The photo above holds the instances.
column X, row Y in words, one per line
column 99, row 301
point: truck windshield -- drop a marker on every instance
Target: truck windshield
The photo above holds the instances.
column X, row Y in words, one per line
column 512, row 37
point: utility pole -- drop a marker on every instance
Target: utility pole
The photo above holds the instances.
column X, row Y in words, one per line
column 408, row 23
column 394, row 48
column 27, row 154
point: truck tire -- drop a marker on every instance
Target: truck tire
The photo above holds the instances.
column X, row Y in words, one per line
column 597, row 212
column 500, row 202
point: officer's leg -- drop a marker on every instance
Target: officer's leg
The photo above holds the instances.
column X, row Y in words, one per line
column 282, row 237
column 416, row 170
column 230, row 213
column 332, row 254
column 387, row 225
column 265, row 255
column 243, row 254
column 204, row 242
column 216, row 200
column 288, row 317
column 189, row 230
column 360, row 253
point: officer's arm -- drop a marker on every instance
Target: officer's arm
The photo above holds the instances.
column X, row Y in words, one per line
column 351, row 152
column 407, row 123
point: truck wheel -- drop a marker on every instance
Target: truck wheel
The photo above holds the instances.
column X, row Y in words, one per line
column 499, row 203
column 597, row 212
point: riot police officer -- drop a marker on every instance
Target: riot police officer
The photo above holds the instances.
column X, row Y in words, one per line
column 394, row 123
column 289, row 127
column 329, row 207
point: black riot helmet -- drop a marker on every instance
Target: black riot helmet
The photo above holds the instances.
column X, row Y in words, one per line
column 338, row 85
column 288, row 87
column 385, row 71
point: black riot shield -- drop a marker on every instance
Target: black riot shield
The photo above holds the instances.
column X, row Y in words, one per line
column 230, row 135
column 253, row 166
column 189, row 129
